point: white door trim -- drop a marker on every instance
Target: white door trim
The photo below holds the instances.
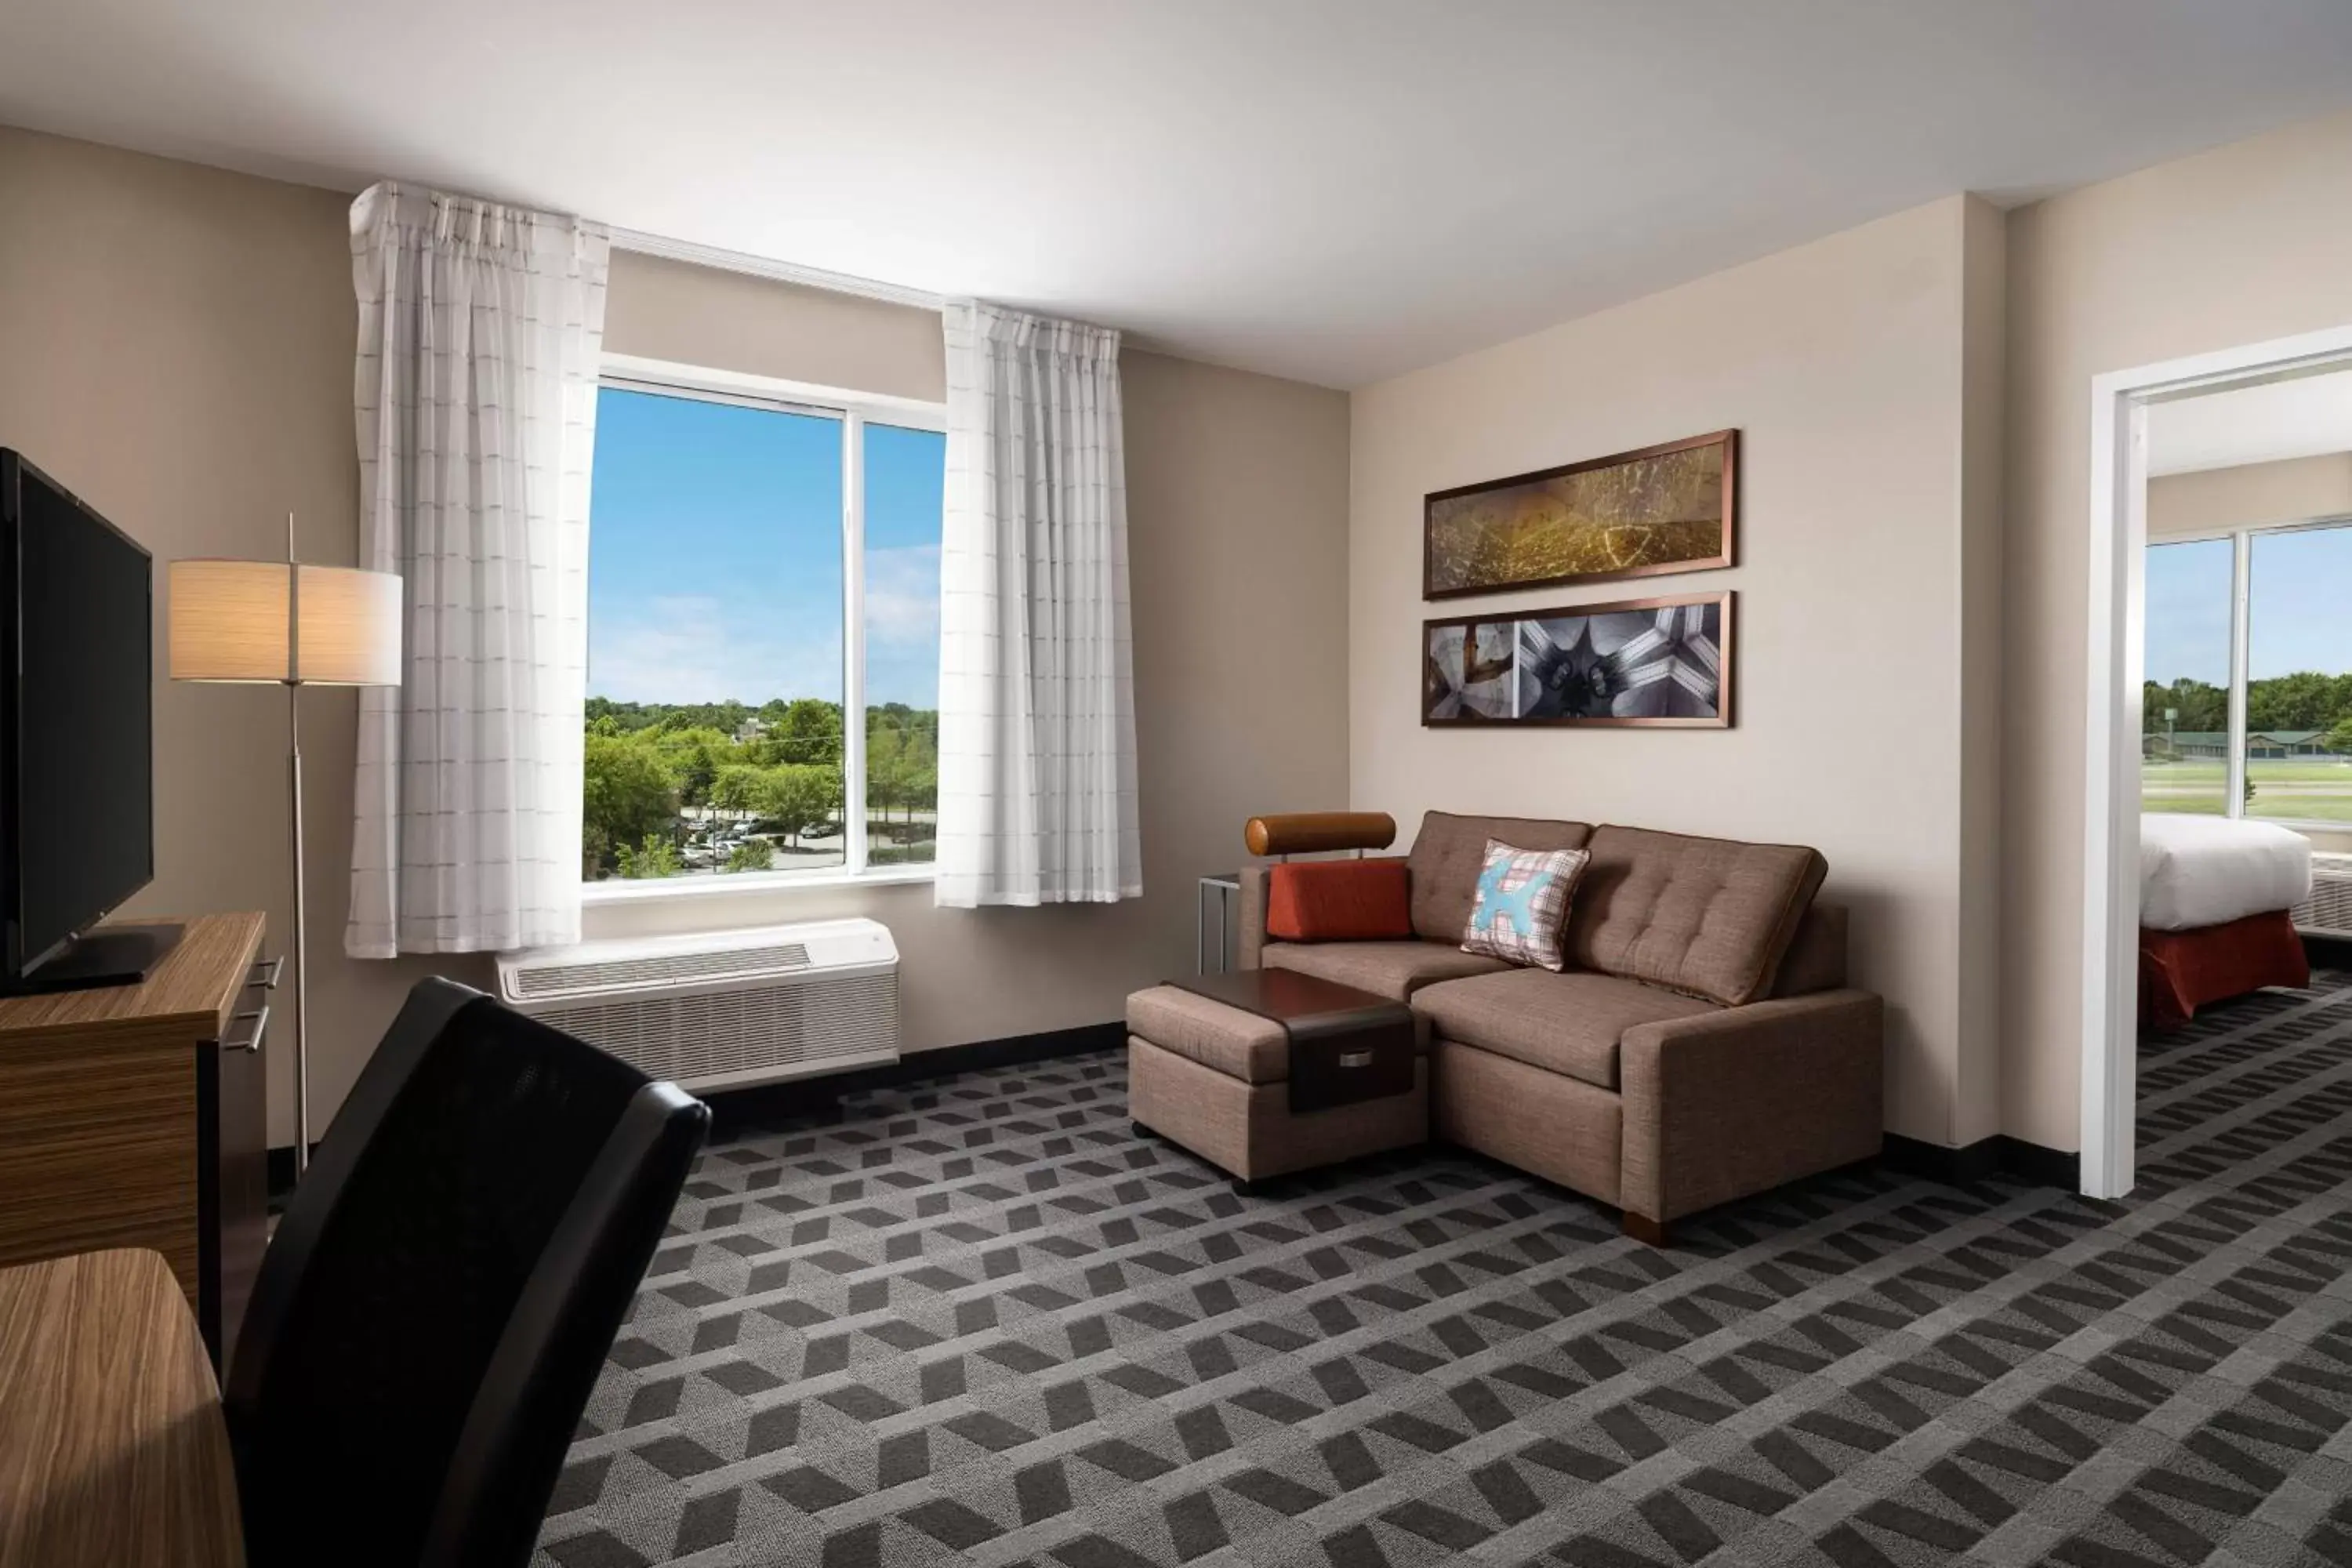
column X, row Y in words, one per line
column 2117, row 621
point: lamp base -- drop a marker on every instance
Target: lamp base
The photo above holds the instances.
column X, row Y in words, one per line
column 105, row 955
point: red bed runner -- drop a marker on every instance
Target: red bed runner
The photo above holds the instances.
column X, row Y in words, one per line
column 2182, row 970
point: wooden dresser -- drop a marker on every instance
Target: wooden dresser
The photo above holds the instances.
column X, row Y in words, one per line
column 136, row 1115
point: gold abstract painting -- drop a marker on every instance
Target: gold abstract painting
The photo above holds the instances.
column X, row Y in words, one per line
column 1636, row 514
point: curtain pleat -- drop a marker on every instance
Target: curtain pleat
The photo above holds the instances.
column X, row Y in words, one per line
column 1037, row 796
column 475, row 400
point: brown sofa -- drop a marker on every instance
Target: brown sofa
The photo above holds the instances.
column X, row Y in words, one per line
column 1702, row 1045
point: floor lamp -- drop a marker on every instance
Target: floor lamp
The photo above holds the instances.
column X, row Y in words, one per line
column 278, row 623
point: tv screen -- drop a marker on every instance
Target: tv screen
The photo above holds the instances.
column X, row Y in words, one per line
column 77, row 821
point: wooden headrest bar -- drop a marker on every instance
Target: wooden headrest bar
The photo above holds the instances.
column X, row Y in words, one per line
column 1306, row 831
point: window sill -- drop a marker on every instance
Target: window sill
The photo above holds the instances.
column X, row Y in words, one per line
column 750, row 884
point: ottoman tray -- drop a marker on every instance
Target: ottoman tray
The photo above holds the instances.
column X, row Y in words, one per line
column 1345, row 1044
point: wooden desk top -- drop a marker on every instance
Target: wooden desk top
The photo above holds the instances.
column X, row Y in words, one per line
column 194, row 980
column 113, row 1450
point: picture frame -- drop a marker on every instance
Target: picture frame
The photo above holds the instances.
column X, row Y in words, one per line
column 1670, row 508
column 1663, row 663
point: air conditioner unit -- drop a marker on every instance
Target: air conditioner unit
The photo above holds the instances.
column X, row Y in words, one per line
column 722, row 1009
column 2329, row 911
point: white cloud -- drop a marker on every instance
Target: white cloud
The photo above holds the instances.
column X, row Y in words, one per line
column 692, row 648
column 902, row 596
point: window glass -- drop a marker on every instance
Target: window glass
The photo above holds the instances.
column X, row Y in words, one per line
column 715, row 646
column 904, row 479
column 2185, row 719
column 2299, row 676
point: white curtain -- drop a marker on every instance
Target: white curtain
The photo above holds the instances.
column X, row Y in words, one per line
column 1037, row 800
column 476, row 400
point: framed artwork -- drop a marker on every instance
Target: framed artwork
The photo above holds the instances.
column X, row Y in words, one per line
column 1671, row 507
column 1663, row 663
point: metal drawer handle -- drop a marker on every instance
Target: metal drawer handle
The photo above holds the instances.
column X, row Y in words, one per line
column 259, row 1018
column 1355, row 1058
column 264, row 973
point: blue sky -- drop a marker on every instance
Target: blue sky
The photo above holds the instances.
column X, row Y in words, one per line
column 2302, row 587
column 714, row 559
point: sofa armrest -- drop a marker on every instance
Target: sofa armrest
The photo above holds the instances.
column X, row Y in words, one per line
column 1724, row 1104
column 1249, row 943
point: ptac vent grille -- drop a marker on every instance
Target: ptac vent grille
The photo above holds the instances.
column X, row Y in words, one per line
column 2329, row 908
column 755, row 1029
column 622, row 974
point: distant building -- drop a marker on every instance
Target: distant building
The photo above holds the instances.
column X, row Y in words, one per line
column 750, row 729
column 2213, row 745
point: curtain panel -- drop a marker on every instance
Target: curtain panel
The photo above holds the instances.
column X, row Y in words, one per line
column 475, row 399
column 1038, row 790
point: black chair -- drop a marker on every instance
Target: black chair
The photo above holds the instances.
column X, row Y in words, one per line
column 443, row 1288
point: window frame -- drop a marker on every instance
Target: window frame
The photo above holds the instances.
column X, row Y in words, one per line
column 855, row 411
column 2241, row 540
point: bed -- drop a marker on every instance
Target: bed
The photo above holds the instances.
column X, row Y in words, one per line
column 2214, row 922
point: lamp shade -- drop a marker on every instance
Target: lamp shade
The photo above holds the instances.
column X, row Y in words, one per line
column 268, row 621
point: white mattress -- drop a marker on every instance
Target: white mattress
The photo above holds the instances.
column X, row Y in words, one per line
column 2207, row 871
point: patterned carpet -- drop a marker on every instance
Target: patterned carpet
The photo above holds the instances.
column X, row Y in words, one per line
column 980, row 1323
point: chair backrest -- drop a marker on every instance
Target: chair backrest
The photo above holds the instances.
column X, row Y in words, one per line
column 444, row 1287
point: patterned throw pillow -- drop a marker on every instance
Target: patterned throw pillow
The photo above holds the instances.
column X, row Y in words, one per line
column 1522, row 904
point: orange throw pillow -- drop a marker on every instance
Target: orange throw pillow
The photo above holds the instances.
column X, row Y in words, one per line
column 1339, row 900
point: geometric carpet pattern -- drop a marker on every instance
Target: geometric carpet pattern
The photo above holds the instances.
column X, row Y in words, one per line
column 979, row 1322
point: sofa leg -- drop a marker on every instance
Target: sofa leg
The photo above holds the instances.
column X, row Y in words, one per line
column 1646, row 1230
column 1246, row 1188
column 1139, row 1129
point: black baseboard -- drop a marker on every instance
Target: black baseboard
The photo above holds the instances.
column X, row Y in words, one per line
column 1998, row 1155
column 735, row 1109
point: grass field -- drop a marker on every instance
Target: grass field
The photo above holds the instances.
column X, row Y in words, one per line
column 2306, row 790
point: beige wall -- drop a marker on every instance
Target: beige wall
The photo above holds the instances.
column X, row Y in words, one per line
column 1842, row 362
column 2250, row 242
column 2251, row 495
column 178, row 351
column 1975, row 1110
column 702, row 316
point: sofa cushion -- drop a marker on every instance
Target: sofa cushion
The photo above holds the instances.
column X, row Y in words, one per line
column 1449, row 851
column 1393, row 969
column 1339, row 900
column 1568, row 1024
column 1706, row 916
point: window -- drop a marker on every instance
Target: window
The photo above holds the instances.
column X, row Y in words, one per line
column 2249, row 694
column 763, row 593
column 2186, row 721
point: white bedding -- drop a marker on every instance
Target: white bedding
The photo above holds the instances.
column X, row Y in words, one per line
column 2207, row 871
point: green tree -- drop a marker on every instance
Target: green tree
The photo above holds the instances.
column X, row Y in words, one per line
column 2339, row 739
column 626, row 796
column 798, row 798
column 736, row 787
column 655, row 856
column 2199, row 706
column 811, row 732
column 751, row 855
column 694, row 757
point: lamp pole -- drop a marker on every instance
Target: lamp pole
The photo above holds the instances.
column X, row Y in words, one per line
column 301, row 922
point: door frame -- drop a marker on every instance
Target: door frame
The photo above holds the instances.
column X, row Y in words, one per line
column 2117, row 623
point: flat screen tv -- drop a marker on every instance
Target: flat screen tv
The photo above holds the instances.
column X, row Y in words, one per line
column 76, row 738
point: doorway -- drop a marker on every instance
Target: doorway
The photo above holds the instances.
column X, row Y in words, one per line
column 2116, row 730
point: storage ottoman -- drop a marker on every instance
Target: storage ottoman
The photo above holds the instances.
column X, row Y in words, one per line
column 1217, row 1079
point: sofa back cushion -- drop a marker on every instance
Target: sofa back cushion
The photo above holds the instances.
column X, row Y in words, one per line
column 1707, row 916
column 1339, row 900
column 1449, row 853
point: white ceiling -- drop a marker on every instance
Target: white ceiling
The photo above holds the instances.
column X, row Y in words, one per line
column 1331, row 189
column 2301, row 419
